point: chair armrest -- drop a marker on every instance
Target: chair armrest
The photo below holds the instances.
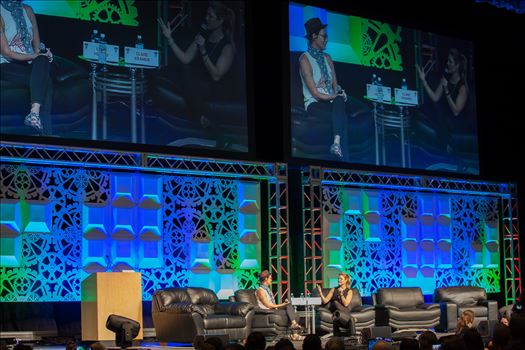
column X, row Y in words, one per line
column 362, row 308
column 492, row 306
column 259, row 311
column 389, row 307
column 235, row 308
column 428, row 306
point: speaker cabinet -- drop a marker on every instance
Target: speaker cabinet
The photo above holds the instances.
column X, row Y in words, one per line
column 376, row 332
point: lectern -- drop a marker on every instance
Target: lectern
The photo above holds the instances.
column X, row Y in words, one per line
column 105, row 293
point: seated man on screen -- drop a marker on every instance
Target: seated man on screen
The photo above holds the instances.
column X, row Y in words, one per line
column 266, row 301
column 322, row 95
column 23, row 58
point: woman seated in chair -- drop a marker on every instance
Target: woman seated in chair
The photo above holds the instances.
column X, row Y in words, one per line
column 338, row 300
column 266, row 301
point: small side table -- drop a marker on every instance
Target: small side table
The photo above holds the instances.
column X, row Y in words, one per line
column 108, row 82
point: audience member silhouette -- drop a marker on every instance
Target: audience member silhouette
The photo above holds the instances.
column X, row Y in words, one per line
column 312, row 342
column 255, row 341
column 427, row 339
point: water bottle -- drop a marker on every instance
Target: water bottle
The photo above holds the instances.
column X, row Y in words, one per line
column 139, row 44
column 94, row 36
column 374, row 79
column 404, row 84
column 102, row 49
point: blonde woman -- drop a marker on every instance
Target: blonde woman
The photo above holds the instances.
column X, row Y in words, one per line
column 338, row 299
column 465, row 321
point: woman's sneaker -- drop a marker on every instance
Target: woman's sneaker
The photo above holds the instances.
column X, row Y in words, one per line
column 335, row 149
column 33, row 120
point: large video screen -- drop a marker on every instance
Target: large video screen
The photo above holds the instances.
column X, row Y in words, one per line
column 194, row 98
column 367, row 92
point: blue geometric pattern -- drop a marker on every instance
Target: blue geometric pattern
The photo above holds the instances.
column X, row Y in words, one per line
column 411, row 246
column 103, row 220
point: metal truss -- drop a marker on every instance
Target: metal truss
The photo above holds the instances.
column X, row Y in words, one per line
column 40, row 154
column 278, row 238
column 312, row 219
column 408, row 182
column 511, row 249
column 97, row 158
column 314, row 177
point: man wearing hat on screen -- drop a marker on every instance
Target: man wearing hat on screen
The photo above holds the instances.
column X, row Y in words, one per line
column 266, row 301
column 322, row 96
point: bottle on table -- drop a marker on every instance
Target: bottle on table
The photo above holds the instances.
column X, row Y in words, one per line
column 139, row 44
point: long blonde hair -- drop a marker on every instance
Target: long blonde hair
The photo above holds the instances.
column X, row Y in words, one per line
column 466, row 317
column 347, row 279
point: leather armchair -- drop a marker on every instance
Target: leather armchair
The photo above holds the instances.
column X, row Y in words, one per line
column 265, row 321
column 406, row 308
column 363, row 315
column 179, row 314
column 454, row 300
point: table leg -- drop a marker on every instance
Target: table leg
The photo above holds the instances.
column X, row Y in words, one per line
column 142, row 113
column 93, row 102
column 133, row 116
column 402, row 115
column 376, row 133
column 313, row 319
column 104, row 108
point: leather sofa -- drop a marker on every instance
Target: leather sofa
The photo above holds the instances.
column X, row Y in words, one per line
column 405, row 308
column 179, row 314
column 363, row 315
column 268, row 322
column 454, row 300
column 71, row 106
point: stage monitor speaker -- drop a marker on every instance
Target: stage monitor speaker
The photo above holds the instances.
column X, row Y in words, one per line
column 201, row 338
column 376, row 332
column 486, row 328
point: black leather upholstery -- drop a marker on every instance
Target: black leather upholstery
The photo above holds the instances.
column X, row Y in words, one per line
column 363, row 315
column 71, row 104
column 268, row 322
column 455, row 300
column 406, row 308
column 179, row 314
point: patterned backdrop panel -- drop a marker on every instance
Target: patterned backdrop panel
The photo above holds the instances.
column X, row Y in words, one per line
column 58, row 225
column 402, row 239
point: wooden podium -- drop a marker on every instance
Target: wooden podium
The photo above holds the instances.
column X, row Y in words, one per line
column 106, row 293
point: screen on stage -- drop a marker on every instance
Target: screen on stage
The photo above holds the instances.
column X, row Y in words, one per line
column 368, row 92
column 171, row 74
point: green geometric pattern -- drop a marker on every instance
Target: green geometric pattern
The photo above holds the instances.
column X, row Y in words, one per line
column 104, row 11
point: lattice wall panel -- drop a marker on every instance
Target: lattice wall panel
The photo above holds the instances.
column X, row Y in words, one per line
column 396, row 238
column 58, row 225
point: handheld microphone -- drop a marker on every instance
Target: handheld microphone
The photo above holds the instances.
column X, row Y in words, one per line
column 42, row 48
column 204, row 32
